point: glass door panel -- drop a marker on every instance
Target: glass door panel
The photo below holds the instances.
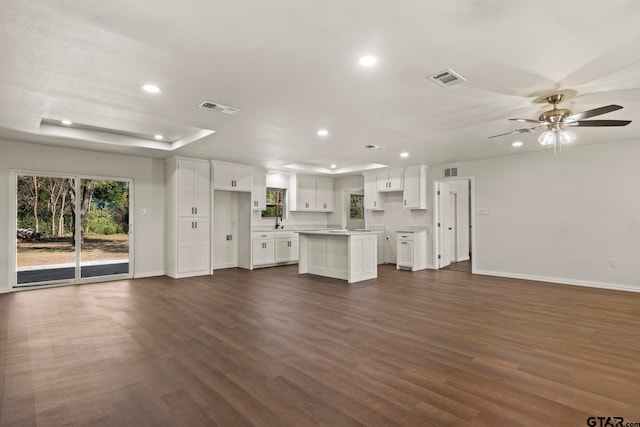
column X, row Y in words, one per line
column 104, row 227
column 44, row 229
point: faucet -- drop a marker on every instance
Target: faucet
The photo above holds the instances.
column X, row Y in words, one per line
column 279, row 222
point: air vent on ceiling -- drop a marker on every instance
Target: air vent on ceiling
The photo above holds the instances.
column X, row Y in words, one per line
column 374, row 147
column 450, row 172
column 208, row 105
column 447, row 78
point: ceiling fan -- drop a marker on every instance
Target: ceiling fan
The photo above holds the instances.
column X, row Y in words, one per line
column 558, row 119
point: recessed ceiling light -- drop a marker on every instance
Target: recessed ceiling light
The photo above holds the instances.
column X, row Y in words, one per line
column 404, row 154
column 151, row 88
column 158, row 136
column 368, row 61
column 66, row 122
column 323, row 132
column 517, row 144
column 333, row 166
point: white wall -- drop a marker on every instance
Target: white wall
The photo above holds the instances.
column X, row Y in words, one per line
column 148, row 194
column 559, row 219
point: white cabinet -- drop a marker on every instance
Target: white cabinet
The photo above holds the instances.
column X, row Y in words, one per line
column 390, row 180
column 231, row 177
column 324, row 194
column 287, row 247
column 372, row 200
column 193, row 188
column 263, row 248
column 193, row 245
column 259, row 191
column 411, row 250
column 188, row 237
column 415, row 187
column 310, row 193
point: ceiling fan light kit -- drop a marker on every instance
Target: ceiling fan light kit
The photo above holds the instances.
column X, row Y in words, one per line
column 556, row 119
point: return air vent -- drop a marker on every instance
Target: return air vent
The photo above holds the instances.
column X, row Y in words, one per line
column 374, row 147
column 450, row 172
column 447, row 78
column 208, row 105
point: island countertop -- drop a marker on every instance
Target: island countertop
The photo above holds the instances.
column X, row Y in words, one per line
column 335, row 232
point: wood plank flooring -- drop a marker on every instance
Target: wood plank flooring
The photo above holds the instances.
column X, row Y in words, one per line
column 271, row 348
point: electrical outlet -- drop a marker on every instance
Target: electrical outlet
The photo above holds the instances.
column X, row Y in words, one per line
column 613, row 262
column 229, row 237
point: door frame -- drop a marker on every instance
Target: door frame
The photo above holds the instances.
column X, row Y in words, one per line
column 77, row 280
column 345, row 207
column 436, row 218
column 454, row 250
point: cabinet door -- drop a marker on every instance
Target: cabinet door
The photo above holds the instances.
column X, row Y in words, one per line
column 200, row 254
column 306, row 193
column 201, row 189
column 223, row 177
column 383, row 181
column 395, row 180
column 259, row 191
column 405, row 253
column 294, row 249
column 371, row 199
column 324, row 195
column 242, row 178
column 411, row 193
column 186, row 189
column 263, row 252
column 185, row 245
column 283, row 252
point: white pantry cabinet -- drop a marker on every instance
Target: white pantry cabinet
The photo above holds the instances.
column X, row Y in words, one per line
column 372, row 200
column 231, row 177
column 259, row 190
column 188, row 237
column 310, row 193
column 415, row 187
column 390, row 180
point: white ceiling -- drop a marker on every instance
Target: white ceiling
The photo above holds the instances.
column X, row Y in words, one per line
column 291, row 67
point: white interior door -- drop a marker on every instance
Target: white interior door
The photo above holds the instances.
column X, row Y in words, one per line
column 444, row 221
column 452, row 227
column 225, row 229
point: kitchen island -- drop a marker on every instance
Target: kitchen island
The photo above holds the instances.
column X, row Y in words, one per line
column 340, row 254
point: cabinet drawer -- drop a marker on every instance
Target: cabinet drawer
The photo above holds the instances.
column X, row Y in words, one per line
column 263, row 234
column 404, row 236
column 286, row 235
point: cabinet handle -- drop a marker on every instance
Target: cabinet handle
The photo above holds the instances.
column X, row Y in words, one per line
column 192, row 210
column 196, row 224
column 325, row 206
column 405, row 203
column 404, row 243
column 375, row 203
column 196, row 208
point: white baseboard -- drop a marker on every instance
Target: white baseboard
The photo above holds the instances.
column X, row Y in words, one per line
column 148, row 274
column 466, row 258
column 224, row 265
column 562, row 281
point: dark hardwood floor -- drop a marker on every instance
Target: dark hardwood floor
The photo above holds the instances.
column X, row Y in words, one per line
column 271, row 348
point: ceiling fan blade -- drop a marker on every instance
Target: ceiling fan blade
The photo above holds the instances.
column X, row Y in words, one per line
column 529, row 121
column 525, row 130
column 598, row 123
column 595, row 112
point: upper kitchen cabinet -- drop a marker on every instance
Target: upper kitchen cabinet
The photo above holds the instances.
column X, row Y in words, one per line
column 192, row 186
column 371, row 199
column 324, row 194
column 390, row 180
column 415, row 187
column 310, row 193
column 231, row 177
column 259, row 190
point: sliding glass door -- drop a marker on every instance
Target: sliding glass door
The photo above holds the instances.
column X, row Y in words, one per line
column 71, row 229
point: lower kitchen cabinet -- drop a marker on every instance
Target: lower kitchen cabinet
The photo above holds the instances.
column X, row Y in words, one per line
column 411, row 250
column 287, row 247
column 263, row 249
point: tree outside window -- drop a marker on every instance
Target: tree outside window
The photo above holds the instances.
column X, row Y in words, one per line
column 275, row 203
column 357, row 203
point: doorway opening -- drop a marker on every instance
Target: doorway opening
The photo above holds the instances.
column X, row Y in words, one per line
column 70, row 229
column 353, row 209
column 454, row 240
